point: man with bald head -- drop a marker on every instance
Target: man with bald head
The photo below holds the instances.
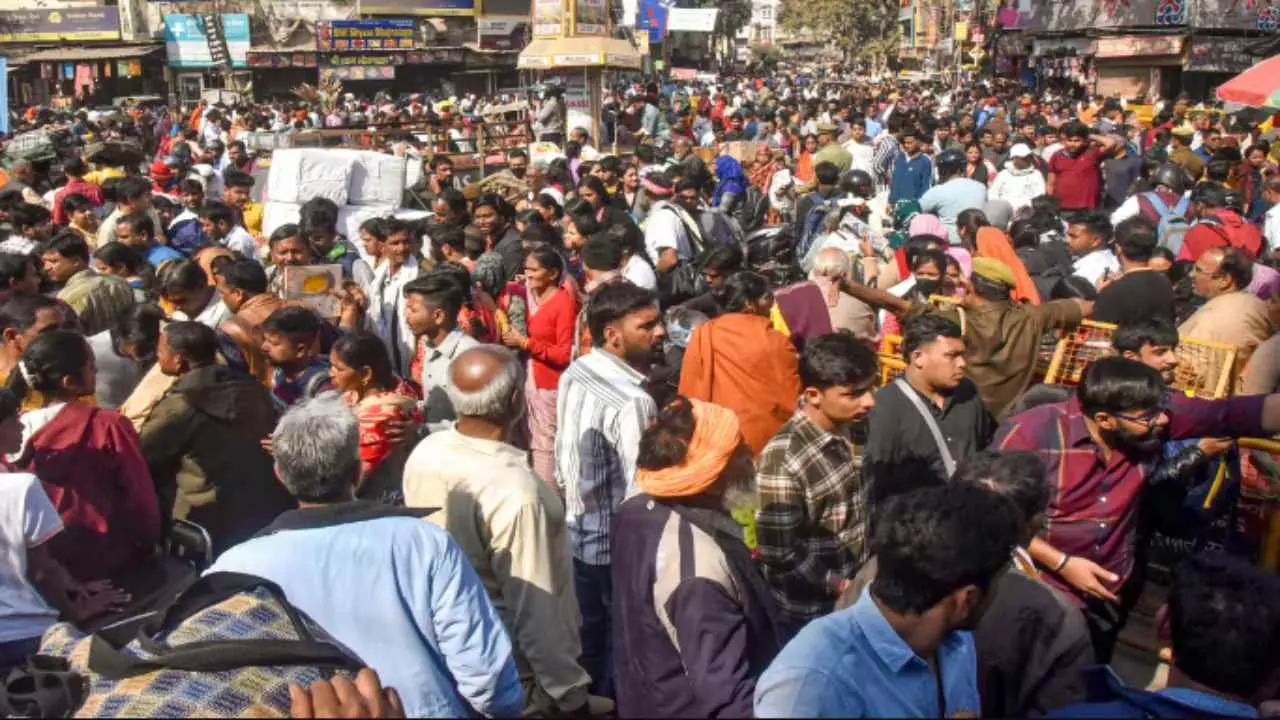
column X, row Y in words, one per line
column 509, row 522
column 1231, row 314
column 848, row 314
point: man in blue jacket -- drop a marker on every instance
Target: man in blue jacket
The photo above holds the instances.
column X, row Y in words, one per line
column 912, row 170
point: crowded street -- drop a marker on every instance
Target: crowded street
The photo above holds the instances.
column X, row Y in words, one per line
column 650, row 374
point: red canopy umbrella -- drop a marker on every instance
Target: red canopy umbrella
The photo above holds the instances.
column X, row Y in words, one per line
column 1259, row 86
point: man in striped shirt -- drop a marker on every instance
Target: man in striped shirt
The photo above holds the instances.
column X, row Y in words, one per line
column 601, row 410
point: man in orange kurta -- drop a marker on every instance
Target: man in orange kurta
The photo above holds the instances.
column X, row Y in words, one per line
column 740, row 362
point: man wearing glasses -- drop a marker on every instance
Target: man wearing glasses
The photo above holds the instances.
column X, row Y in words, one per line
column 1099, row 448
column 1231, row 314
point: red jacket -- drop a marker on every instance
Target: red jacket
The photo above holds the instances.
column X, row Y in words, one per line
column 551, row 338
column 1220, row 229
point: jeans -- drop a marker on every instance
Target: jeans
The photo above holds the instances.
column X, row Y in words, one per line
column 594, row 585
column 16, row 652
column 1106, row 619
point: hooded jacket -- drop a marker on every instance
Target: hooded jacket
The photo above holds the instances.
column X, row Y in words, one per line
column 202, row 442
column 1016, row 186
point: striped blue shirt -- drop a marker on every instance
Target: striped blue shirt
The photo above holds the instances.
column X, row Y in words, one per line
column 601, row 410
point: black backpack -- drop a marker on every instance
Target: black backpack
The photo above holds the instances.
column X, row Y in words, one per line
column 752, row 209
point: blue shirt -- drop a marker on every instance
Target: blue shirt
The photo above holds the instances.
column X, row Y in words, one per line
column 911, row 177
column 950, row 199
column 159, row 253
column 873, row 128
column 852, row 663
column 400, row 594
column 1109, row 697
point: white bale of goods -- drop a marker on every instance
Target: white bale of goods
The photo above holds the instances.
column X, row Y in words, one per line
column 376, row 178
column 275, row 214
column 302, row 174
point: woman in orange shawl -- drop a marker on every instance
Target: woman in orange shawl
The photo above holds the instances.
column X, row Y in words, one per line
column 983, row 240
column 804, row 161
column 740, row 362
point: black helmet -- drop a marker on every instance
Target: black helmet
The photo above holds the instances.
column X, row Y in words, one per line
column 949, row 163
column 1235, row 200
column 858, row 183
column 1171, row 176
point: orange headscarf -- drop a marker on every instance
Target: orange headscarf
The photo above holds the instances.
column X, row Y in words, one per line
column 994, row 244
column 716, row 436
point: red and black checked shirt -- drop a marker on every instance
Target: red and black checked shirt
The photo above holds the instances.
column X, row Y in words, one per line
column 1093, row 503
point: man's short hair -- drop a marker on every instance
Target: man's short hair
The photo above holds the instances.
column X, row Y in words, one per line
column 921, row 330
column 194, row 341
column 132, row 189
column 218, row 212
column 1017, row 476
column 140, row 223
column 1119, row 385
column 69, row 245
column 181, row 275
column 1156, row 332
column 1095, row 221
column 1137, row 238
column 1237, row 266
column 612, row 302
column 245, row 275
column 74, row 203
column 29, row 215
column 827, row 173
column 1225, row 623
column 837, row 359
column 316, row 448
column 440, row 290
column 299, row 324
column 232, row 177
column 935, row 541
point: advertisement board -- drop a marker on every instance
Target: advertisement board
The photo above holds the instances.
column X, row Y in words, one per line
column 187, row 43
column 548, row 18
column 383, row 34
column 590, row 17
column 418, row 7
column 501, row 33
column 692, row 19
column 87, row 23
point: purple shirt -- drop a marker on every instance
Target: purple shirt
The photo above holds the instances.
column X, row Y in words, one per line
column 1093, row 505
column 1265, row 281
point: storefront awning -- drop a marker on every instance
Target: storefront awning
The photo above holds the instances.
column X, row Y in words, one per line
column 550, row 53
column 86, row 54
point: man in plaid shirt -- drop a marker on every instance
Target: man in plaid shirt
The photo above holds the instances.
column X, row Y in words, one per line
column 811, row 523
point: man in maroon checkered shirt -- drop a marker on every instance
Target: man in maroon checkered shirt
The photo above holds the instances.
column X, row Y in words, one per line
column 1099, row 447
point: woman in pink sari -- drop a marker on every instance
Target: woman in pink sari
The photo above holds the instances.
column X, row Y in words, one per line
column 90, row 463
column 553, row 308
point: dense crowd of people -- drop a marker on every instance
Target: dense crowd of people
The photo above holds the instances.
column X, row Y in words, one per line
column 616, row 433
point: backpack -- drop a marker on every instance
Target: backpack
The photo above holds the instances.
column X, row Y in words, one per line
column 1241, row 237
column 752, row 209
column 228, row 644
column 1173, row 225
column 719, row 228
column 815, row 221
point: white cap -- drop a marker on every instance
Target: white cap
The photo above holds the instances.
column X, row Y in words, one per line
column 1020, row 151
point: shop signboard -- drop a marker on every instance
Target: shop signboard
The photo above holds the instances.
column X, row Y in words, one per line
column 4, row 96
column 186, row 41
column 653, row 17
column 1124, row 46
column 590, row 17
column 1220, row 55
column 54, row 25
column 357, row 35
column 360, row 72
column 501, row 33
column 701, row 20
column 418, row 7
column 1067, row 16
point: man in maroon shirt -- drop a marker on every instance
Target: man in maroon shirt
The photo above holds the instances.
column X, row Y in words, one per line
column 1075, row 175
column 75, row 169
column 1099, row 448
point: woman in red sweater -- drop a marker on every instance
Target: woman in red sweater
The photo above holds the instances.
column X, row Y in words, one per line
column 552, row 310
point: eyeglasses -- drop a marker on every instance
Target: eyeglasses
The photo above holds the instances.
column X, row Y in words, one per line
column 1144, row 420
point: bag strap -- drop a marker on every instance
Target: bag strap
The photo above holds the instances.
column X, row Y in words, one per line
column 690, row 227
column 948, row 462
column 1157, row 204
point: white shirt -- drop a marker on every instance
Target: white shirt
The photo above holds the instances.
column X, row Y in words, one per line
column 664, row 229
column 27, row 520
column 863, row 155
column 1271, row 228
column 211, row 316
column 1095, row 266
column 435, row 375
column 640, row 273
column 240, row 241
column 386, row 312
